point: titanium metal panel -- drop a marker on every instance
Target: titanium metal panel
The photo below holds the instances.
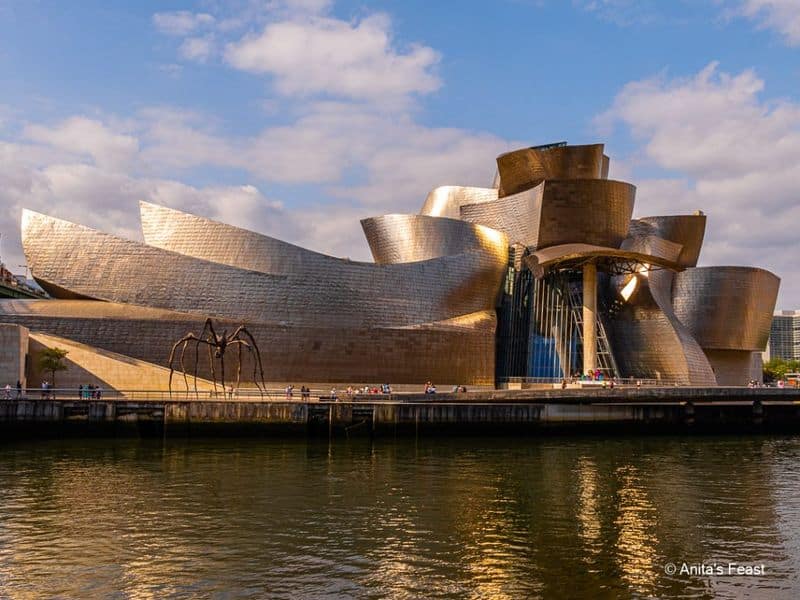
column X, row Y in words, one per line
column 656, row 247
column 101, row 266
column 578, row 254
column 650, row 341
column 686, row 230
column 523, row 169
column 450, row 352
column 447, row 200
column 736, row 367
column 410, row 238
column 576, row 211
column 517, row 216
column 726, row 308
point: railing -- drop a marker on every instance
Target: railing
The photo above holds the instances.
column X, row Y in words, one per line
column 618, row 381
column 246, row 394
column 104, row 394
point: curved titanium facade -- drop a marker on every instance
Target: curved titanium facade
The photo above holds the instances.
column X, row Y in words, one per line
column 411, row 238
column 441, row 305
column 576, row 254
column 585, row 211
column 145, row 275
column 523, row 169
column 656, row 247
column 726, row 308
column 196, row 236
column 458, row 350
column 649, row 340
column 516, row 216
column 686, row 230
column 587, row 287
column 447, row 200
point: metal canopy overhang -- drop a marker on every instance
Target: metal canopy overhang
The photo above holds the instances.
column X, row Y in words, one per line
column 610, row 260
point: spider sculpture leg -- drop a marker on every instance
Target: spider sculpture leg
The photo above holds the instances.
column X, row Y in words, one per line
column 183, row 366
column 184, row 339
column 240, row 343
column 242, row 331
column 211, row 362
column 239, row 368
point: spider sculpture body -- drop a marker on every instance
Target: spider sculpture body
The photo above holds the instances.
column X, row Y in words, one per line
column 217, row 345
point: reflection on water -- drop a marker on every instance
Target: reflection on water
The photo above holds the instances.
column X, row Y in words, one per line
column 481, row 518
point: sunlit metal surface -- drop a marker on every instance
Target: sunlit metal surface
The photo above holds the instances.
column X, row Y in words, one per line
column 425, row 309
column 309, row 308
column 523, row 169
column 460, row 349
column 578, row 211
column 654, row 246
column 447, row 200
column 726, row 308
column 686, row 230
column 572, row 255
column 102, row 266
column 410, row 238
column 650, row 341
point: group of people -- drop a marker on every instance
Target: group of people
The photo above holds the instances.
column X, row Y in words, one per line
column 89, row 392
column 430, row 388
column 596, row 375
column 305, row 392
column 7, row 391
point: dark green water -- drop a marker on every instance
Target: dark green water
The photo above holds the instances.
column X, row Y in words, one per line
column 456, row 518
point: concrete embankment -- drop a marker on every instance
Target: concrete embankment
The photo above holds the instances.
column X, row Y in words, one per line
column 526, row 412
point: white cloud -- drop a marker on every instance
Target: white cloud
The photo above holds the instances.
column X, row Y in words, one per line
column 337, row 58
column 181, row 22
column 88, row 137
column 197, row 49
column 782, row 16
column 622, row 12
column 736, row 156
column 351, row 142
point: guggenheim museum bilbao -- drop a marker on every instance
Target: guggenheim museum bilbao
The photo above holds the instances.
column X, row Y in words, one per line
column 542, row 275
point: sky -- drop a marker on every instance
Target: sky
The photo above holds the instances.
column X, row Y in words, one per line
column 297, row 118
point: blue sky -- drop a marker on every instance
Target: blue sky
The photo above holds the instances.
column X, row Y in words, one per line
column 298, row 117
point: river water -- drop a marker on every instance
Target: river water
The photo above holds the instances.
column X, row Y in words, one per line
column 430, row 518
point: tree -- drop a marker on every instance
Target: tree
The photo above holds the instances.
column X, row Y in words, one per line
column 52, row 360
column 777, row 368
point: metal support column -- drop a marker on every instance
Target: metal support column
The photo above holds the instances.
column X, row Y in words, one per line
column 589, row 317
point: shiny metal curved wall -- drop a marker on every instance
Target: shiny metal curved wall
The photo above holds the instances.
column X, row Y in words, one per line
column 410, row 238
column 105, row 267
column 447, row 200
column 586, row 211
column 196, row 236
column 516, row 216
column 736, row 367
column 654, row 246
column 650, row 341
column 523, row 169
column 686, row 230
column 726, row 308
column 454, row 351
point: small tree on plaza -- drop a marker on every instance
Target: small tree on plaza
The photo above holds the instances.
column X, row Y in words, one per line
column 52, row 361
column 777, row 368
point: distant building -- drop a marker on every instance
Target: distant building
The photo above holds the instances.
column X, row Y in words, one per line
column 784, row 337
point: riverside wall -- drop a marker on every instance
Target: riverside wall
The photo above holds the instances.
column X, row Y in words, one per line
column 522, row 412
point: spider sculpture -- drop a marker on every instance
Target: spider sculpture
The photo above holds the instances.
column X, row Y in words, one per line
column 217, row 345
